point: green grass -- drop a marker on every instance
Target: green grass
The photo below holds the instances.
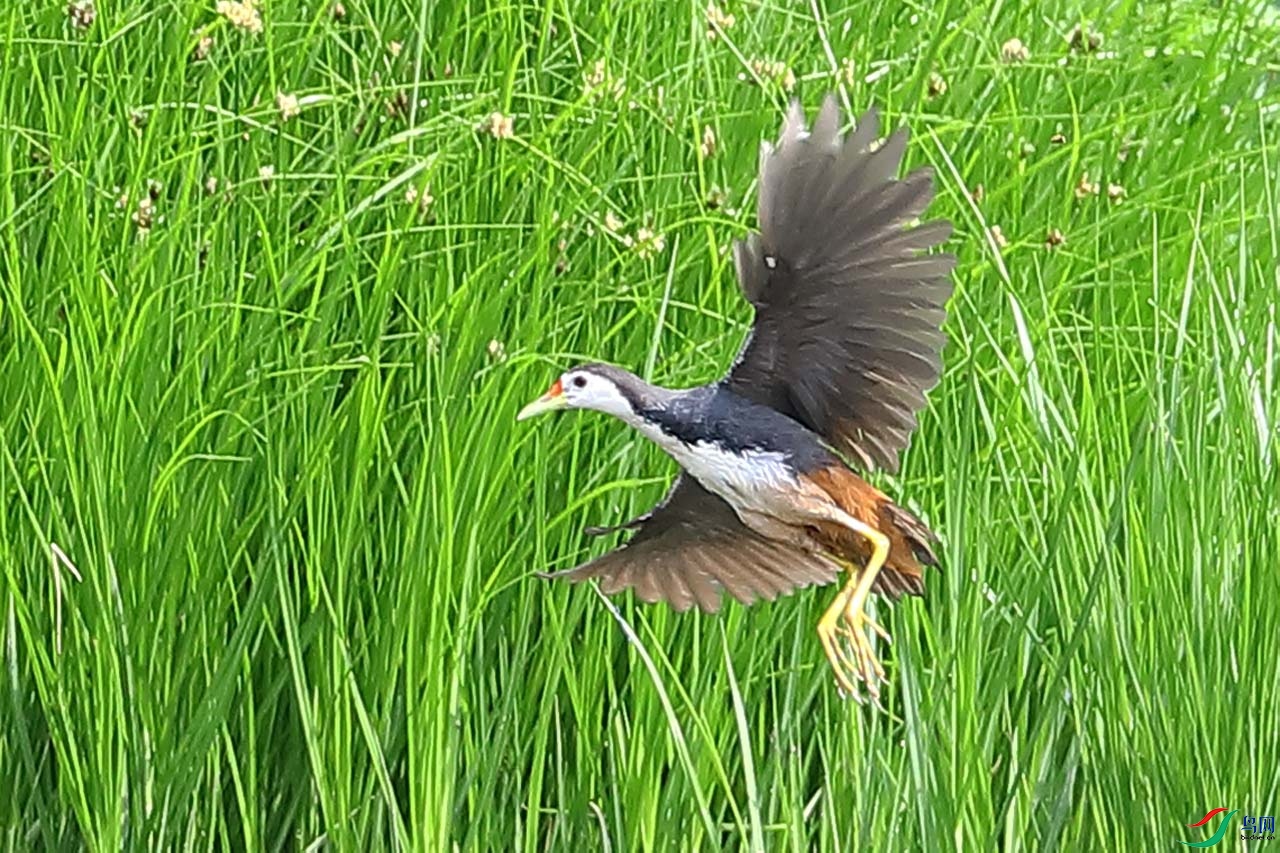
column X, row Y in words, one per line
column 273, row 440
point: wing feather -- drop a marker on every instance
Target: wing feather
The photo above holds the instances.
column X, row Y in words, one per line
column 692, row 547
column 849, row 305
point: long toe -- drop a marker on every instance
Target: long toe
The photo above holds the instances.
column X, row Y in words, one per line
column 872, row 671
column 841, row 665
column 868, row 668
column 852, row 650
column 856, row 615
column 878, row 628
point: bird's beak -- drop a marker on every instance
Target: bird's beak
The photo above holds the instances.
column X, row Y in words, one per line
column 549, row 402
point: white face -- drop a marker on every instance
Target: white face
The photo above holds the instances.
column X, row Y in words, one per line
column 585, row 390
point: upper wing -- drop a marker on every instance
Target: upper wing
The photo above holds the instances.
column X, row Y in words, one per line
column 691, row 546
column 847, row 334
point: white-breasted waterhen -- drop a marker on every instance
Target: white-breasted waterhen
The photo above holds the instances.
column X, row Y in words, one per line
column 845, row 342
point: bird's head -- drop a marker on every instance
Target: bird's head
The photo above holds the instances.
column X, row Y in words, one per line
column 601, row 387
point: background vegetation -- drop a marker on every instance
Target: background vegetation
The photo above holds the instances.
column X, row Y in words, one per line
column 274, row 281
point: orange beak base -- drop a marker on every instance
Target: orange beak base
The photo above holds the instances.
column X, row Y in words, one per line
column 549, row 402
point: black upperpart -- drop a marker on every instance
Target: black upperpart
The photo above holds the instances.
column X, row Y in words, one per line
column 715, row 414
column 718, row 415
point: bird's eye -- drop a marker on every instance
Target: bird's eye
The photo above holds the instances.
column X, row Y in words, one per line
column 579, row 382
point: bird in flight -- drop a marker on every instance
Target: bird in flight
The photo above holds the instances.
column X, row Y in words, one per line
column 845, row 342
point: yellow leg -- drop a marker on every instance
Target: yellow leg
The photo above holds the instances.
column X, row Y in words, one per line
column 829, row 632
column 846, row 619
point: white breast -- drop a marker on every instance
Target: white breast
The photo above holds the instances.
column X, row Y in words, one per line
column 750, row 480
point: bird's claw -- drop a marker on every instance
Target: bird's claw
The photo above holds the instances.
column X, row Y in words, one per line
column 852, row 658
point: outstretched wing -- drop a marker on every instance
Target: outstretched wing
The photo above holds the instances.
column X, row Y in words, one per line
column 692, row 546
column 847, row 335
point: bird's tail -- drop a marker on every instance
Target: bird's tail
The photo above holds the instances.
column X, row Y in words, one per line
column 910, row 550
column 911, row 541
